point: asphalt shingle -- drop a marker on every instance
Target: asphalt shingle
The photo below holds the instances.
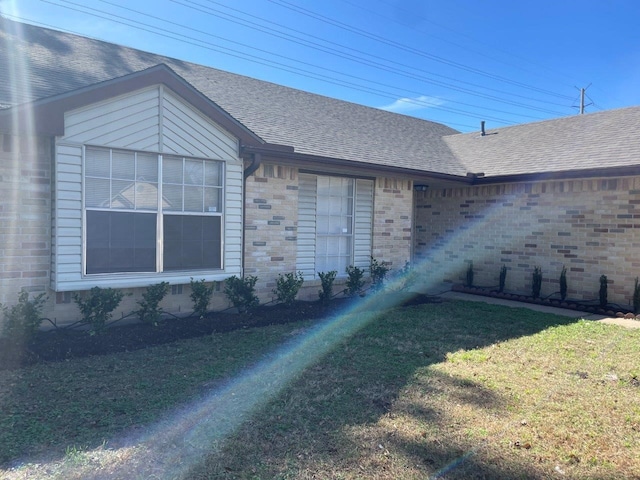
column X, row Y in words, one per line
column 37, row 63
column 581, row 142
column 59, row 63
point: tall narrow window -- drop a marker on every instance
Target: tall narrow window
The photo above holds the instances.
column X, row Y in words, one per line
column 335, row 217
column 130, row 204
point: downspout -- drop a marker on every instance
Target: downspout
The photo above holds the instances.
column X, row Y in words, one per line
column 256, row 159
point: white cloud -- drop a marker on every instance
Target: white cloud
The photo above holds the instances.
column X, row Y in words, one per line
column 403, row 105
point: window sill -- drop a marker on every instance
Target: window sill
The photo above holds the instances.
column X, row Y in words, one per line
column 143, row 279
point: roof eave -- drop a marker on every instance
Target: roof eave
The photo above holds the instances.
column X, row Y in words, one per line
column 46, row 116
column 283, row 153
column 620, row 171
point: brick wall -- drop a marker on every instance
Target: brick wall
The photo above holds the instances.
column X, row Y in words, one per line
column 589, row 226
column 393, row 212
column 25, row 216
column 271, row 217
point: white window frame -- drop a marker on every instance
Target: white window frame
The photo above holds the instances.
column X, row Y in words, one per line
column 160, row 213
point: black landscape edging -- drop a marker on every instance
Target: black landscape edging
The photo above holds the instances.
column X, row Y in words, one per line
column 571, row 304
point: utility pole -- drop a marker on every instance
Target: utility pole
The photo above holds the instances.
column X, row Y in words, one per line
column 582, row 95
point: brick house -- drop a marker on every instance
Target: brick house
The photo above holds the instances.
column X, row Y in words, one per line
column 120, row 168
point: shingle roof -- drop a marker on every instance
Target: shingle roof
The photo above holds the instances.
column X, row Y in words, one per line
column 581, row 142
column 313, row 124
column 60, row 63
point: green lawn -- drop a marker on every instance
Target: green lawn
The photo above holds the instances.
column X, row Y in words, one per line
column 460, row 390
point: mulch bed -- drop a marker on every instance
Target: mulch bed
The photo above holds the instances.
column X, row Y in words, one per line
column 63, row 343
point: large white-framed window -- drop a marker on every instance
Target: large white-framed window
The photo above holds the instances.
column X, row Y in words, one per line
column 335, row 221
column 147, row 212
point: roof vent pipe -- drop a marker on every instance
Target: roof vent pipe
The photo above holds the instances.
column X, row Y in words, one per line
column 482, row 132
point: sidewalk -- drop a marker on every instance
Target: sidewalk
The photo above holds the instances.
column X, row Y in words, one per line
column 625, row 322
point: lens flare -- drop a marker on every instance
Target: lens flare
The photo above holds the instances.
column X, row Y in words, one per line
column 170, row 448
column 23, row 149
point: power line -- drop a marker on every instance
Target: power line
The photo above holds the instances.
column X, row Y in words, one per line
column 475, row 40
column 364, row 33
column 331, row 51
column 253, row 58
column 302, row 41
column 306, row 73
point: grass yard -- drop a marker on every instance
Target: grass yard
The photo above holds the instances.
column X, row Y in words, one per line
column 458, row 390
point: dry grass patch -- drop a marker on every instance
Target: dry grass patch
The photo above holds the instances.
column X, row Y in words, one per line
column 456, row 392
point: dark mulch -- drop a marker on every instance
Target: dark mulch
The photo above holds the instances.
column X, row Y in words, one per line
column 63, row 343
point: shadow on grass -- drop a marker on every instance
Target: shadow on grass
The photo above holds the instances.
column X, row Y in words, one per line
column 311, row 427
column 342, row 417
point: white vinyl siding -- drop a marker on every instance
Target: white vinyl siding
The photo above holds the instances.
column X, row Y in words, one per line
column 163, row 124
column 358, row 235
column 186, row 131
column 129, row 121
column 306, row 245
column 67, row 215
column 363, row 224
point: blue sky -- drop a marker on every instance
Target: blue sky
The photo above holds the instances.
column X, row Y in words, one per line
column 456, row 62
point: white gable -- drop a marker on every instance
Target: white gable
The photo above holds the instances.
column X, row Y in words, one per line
column 152, row 119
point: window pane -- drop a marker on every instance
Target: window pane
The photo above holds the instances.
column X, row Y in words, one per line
column 341, row 263
column 347, row 225
column 333, row 244
column 147, row 167
column 146, row 196
column 213, row 174
column 121, row 242
column 193, row 172
column 212, row 201
column 193, row 197
column 97, row 162
column 172, row 170
column 322, row 224
column 192, row 242
column 336, row 205
column 124, row 165
column 172, row 197
column 123, row 194
column 323, row 186
column 97, row 192
column 321, row 246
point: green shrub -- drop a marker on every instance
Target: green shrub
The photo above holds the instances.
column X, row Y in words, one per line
column 355, row 280
column 536, row 284
column 241, row 292
column 150, row 310
column 503, row 278
column 378, row 274
column 97, row 306
column 636, row 297
column 470, row 275
column 408, row 276
column 287, row 287
column 201, row 296
column 563, row 283
column 22, row 321
column 602, row 294
column 326, row 279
